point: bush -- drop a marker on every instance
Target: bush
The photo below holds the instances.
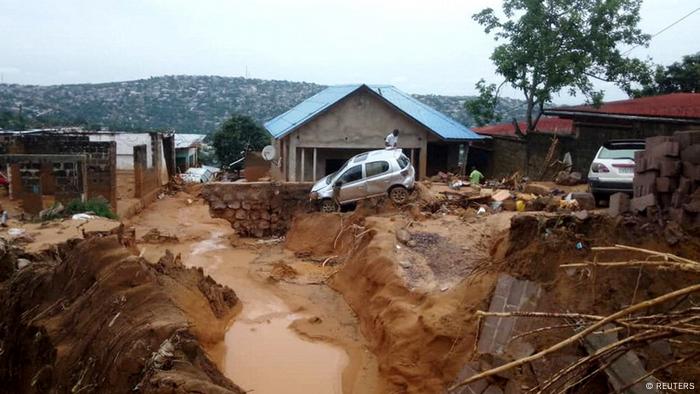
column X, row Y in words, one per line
column 99, row 206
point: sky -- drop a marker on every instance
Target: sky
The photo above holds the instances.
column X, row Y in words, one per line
column 419, row 46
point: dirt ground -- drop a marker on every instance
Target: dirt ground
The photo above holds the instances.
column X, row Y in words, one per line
column 381, row 299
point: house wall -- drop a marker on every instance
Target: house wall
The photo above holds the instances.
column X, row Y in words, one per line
column 125, row 146
column 100, row 166
column 360, row 121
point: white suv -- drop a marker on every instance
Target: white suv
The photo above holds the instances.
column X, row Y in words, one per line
column 612, row 169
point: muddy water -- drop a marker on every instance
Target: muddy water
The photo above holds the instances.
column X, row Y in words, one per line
column 260, row 352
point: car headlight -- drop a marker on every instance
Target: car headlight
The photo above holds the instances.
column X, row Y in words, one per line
column 313, row 196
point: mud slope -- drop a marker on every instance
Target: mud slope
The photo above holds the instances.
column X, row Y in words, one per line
column 94, row 318
column 419, row 336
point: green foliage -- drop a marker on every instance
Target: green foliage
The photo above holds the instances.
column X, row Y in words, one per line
column 483, row 108
column 552, row 45
column 99, row 206
column 237, row 135
column 683, row 76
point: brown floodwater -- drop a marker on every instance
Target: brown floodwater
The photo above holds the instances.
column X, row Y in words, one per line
column 260, row 352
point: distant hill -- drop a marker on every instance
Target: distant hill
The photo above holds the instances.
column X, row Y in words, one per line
column 191, row 104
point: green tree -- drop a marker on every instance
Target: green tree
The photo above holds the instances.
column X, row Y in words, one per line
column 683, row 76
column 483, row 108
column 237, row 135
column 552, row 45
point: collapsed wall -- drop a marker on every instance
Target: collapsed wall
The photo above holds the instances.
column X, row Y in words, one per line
column 94, row 318
column 258, row 208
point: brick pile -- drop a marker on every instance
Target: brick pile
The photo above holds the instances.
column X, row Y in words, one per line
column 667, row 177
column 257, row 209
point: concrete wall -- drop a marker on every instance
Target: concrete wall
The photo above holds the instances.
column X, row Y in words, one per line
column 360, row 121
column 125, row 146
column 258, row 208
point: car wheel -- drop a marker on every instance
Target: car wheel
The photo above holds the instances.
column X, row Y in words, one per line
column 328, row 206
column 398, row 194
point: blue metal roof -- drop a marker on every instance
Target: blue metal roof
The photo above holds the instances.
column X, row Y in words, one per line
column 439, row 123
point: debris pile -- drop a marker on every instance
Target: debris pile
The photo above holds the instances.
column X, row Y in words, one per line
column 667, row 179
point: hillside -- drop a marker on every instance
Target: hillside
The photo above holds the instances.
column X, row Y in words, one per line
column 194, row 104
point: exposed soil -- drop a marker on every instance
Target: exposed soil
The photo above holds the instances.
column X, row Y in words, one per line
column 292, row 334
column 91, row 317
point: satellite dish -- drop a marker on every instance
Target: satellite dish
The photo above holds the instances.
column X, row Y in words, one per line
column 269, row 153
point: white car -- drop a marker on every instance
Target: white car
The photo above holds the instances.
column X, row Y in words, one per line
column 369, row 174
column 612, row 169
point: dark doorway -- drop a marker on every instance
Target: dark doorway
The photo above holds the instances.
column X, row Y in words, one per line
column 333, row 165
column 437, row 158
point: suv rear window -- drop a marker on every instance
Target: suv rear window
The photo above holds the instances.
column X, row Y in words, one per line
column 403, row 161
column 376, row 168
column 622, row 151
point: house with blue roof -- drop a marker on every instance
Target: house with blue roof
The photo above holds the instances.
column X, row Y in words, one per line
column 319, row 134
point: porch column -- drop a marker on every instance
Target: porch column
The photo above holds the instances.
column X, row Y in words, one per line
column 292, row 175
column 303, row 161
column 423, row 160
column 413, row 157
column 313, row 177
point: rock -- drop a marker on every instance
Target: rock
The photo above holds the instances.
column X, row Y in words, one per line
column 405, row 264
column 21, row 263
column 52, row 212
column 403, row 236
column 585, row 200
column 580, row 215
column 619, row 204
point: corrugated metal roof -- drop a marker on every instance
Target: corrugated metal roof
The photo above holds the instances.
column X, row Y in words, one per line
column 675, row 105
column 549, row 125
column 439, row 123
column 188, row 140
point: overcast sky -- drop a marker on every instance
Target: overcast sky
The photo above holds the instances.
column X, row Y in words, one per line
column 419, row 46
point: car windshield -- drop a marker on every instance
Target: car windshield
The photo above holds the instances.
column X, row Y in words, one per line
column 332, row 175
column 624, row 152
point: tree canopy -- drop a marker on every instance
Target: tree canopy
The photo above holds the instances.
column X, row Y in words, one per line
column 552, row 45
column 237, row 135
column 679, row 77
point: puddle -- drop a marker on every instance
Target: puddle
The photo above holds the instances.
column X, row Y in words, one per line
column 260, row 353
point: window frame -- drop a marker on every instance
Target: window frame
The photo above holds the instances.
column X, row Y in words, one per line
column 385, row 162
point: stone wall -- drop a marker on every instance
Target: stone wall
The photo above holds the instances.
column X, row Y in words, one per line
column 258, row 209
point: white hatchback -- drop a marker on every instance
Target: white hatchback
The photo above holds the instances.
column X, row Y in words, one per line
column 369, row 174
column 612, row 169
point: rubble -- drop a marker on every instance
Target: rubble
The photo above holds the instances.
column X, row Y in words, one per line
column 667, row 177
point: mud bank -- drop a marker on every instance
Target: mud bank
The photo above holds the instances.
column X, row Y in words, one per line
column 290, row 334
column 420, row 330
column 92, row 317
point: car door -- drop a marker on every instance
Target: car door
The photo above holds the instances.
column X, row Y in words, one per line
column 378, row 177
column 351, row 185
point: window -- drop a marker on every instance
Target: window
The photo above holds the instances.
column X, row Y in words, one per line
column 403, row 161
column 360, row 157
column 351, row 175
column 376, row 168
column 625, row 152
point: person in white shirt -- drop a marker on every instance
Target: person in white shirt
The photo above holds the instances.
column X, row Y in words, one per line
column 392, row 140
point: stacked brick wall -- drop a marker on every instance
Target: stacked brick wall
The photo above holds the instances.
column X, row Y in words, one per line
column 258, row 208
column 667, row 176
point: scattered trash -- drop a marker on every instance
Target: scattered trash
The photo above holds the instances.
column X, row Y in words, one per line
column 83, row 216
column 16, row 232
column 520, row 206
column 579, row 245
column 481, row 211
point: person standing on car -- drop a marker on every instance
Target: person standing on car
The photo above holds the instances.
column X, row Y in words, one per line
column 392, row 140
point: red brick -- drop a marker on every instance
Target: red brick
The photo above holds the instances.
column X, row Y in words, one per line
column 669, row 167
column 619, row 204
column 663, row 149
column 687, row 138
column 644, row 183
column 641, row 203
column 691, row 154
column 691, row 171
column 666, row 184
